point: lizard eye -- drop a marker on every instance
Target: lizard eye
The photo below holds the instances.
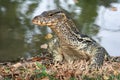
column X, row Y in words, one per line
column 54, row 13
column 50, row 14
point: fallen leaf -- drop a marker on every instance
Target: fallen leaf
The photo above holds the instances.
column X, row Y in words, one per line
column 105, row 77
column 1, row 78
column 116, row 73
column 17, row 65
column 36, row 59
column 46, row 78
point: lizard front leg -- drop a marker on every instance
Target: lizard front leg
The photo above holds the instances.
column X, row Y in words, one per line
column 54, row 49
column 98, row 57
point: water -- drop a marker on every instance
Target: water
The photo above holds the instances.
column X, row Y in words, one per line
column 20, row 38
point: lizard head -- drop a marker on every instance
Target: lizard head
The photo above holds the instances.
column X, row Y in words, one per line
column 50, row 18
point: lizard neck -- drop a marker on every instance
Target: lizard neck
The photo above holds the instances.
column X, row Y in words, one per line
column 67, row 32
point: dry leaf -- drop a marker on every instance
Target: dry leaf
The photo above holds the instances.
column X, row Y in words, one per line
column 17, row 65
column 46, row 78
column 105, row 77
column 1, row 78
column 36, row 59
column 116, row 73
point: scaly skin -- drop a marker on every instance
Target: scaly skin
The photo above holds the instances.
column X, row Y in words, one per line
column 70, row 44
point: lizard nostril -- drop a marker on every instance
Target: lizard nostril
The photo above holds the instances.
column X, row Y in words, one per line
column 34, row 21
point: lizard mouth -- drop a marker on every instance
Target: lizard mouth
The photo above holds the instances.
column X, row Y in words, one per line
column 41, row 21
column 37, row 22
column 34, row 21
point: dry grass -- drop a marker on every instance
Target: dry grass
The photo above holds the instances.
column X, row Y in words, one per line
column 34, row 69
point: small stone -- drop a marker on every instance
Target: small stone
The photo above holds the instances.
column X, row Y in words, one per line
column 48, row 36
column 44, row 46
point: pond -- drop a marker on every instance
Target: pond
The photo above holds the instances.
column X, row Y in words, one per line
column 20, row 38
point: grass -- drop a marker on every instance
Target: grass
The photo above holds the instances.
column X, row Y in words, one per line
column 34, row 69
